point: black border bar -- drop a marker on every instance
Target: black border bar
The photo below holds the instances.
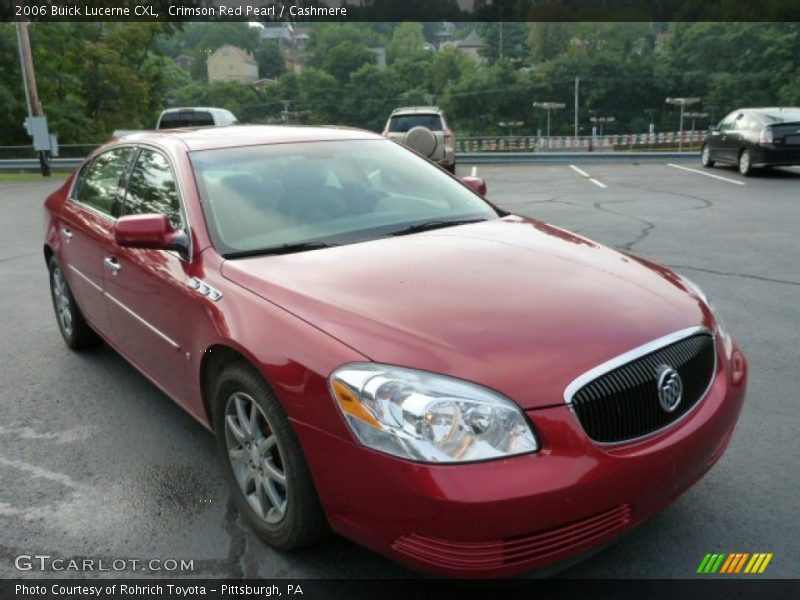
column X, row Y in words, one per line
column 401, row 10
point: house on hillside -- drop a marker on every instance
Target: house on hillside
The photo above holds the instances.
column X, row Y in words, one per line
column 184, row 62
column 282, row 33
column 471, row 45
column 444, row 34
column 231, row 63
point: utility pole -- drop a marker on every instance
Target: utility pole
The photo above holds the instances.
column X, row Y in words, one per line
column 577, row 87
column 29, row 83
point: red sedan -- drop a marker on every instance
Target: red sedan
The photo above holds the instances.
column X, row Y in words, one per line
column 381, row 351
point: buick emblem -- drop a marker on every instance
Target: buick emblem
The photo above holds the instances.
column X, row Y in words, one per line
column 670, row 388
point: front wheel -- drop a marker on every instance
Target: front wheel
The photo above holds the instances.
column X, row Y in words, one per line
column 264, row 462
column 705, row 157
column 745, row 163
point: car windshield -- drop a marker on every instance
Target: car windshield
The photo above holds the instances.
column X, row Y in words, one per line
column 292, row 197
column 402, row 123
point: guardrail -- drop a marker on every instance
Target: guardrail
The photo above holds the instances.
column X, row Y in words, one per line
column 473, row 149
column 32, row 164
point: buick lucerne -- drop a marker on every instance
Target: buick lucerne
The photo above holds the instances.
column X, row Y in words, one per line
column 381, row 351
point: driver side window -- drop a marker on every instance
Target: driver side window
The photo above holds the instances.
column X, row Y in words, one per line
column 152, row 188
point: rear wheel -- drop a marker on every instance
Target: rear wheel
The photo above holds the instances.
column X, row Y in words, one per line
column 745, row 163
column 452, row 168
column 705, row 156
column 73, row 327
column 263, row 461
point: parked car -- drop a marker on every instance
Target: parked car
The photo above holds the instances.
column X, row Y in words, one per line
column 174, row 118
column 381, row 350
column 424, row 129
column 755, row 137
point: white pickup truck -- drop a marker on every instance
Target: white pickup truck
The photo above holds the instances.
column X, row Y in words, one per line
column 201, row 116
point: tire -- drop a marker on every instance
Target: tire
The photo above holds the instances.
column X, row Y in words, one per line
column 705, row 157
column 452, row 168
column 284, row 515
column 73, row 327
column 745, row 163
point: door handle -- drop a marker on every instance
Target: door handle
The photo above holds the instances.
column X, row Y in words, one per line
column 66, row 234
column 111, row 263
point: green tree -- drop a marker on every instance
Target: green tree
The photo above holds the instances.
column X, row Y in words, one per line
column 270, row 60
column 407, row 41
column 345, row 58
column 507, row 41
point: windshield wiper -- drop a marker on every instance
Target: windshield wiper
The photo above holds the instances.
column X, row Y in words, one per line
column 282, row 249
column 437, row 224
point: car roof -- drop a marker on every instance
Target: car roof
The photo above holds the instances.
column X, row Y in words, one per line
column 775, row 114
column 206, row 138
column 409, row 110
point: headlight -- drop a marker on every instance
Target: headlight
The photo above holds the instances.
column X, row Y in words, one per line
column 427, row 417
column 697, row 290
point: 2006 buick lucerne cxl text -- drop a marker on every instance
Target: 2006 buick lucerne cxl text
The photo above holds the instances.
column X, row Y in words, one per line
column 381, row 351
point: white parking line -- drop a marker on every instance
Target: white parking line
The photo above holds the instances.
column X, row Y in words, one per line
column 583, row 173
column 699, row 172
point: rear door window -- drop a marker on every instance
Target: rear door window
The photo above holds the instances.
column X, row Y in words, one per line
column 403, row 123
column 99, row 185
column 152, row 188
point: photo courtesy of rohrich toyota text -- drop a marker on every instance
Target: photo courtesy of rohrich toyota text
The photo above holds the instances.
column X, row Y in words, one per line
column 381, row 298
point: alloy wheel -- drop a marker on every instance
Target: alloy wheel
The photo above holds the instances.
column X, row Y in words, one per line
column 62, row 301
column 744, row 163
column 255, row 457
column 705, row 157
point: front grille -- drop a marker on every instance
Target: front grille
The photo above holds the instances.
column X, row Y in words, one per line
column 623, row 404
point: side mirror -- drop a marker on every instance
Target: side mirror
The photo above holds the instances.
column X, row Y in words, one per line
column 713, row 128
column 150, row 231
column 476, row 183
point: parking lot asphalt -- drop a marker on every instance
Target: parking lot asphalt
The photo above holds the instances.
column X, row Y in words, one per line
column 95, row 462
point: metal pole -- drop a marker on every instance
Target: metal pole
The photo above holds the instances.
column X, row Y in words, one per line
column 548, row 121
column 680, row 133
column 577, row 87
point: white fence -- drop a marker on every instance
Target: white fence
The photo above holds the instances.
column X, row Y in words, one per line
column 605, row 143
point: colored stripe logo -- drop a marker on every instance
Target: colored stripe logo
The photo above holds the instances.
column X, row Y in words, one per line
column 736, row 562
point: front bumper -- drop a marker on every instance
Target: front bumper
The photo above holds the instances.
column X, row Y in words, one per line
column 497, row 518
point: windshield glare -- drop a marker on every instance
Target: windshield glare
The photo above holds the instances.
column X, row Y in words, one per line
column 261, row 197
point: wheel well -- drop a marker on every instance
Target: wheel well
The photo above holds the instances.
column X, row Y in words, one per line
column 48, row 254
column 215, row 359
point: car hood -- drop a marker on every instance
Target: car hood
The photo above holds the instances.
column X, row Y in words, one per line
column 514, row 304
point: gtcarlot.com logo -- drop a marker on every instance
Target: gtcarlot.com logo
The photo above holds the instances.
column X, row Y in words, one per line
column 736, row 562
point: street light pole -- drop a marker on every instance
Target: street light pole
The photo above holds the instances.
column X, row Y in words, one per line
column 683, row 103
column 577, row 87
column 548, row 106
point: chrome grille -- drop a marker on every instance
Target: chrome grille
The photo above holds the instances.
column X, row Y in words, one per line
column 623, row 404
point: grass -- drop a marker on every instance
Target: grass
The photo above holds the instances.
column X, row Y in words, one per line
column 24, row 176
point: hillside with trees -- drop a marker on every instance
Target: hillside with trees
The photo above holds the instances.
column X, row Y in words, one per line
column 97, row 77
